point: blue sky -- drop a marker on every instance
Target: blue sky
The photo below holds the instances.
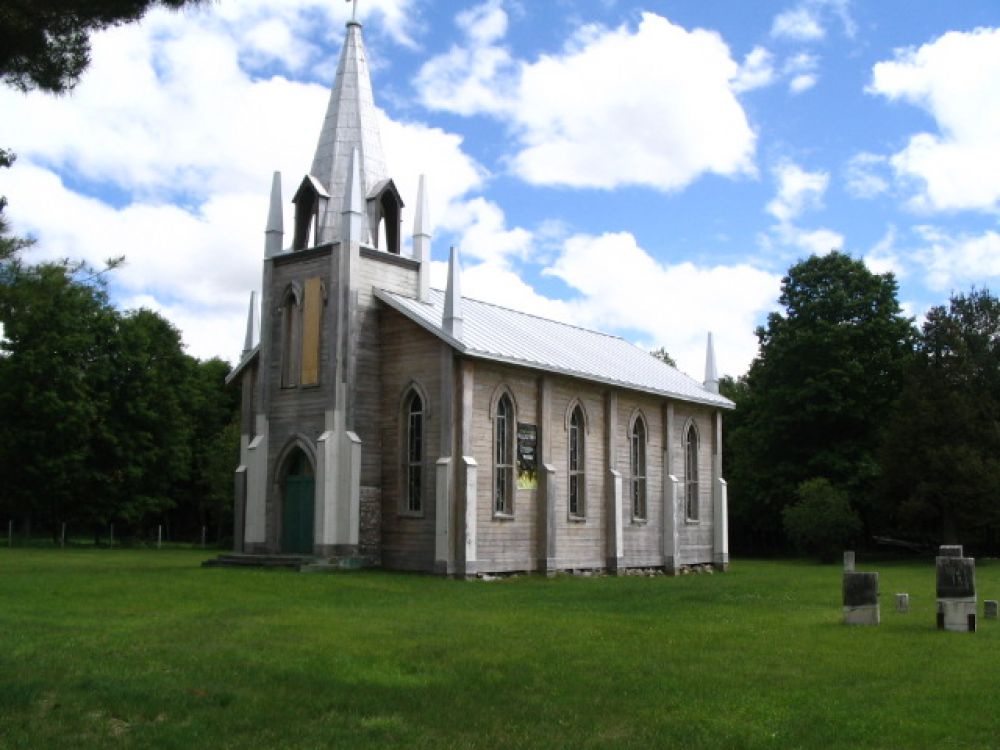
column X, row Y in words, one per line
column 650, row 169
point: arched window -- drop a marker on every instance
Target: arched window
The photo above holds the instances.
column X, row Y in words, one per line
column 691, row 473
column 503, row 458
column 638, row 467
column 290, row 324
column 577, row 481
column 414, row 453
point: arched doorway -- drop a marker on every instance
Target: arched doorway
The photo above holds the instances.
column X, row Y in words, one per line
column 297, row 509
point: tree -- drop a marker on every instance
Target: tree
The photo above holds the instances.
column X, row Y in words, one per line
column 941, row 452
column 10, row 246
column 46, row 44
column 828, row 371
column 57, row 331
column 822, row 522
column 664, row 356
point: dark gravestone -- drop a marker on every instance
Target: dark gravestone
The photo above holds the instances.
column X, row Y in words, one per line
column 956, row 578
column 860, row 589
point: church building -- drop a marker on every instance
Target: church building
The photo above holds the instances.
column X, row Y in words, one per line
column 388, row 423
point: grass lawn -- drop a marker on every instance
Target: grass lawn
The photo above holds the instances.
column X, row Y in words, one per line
column 145, row 649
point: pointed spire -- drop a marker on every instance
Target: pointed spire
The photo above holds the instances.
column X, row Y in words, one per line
column 422, row 242
column 350, row 124
column 453, row 297
column 273, row 235
column 353, row 211
column 251, row 340
column 711, row 378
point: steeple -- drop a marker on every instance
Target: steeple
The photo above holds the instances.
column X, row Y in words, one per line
column 422, row 242
column 350, row 125
column 251, row 340
column 453, row 297
column 711, row 378
column 275, row 231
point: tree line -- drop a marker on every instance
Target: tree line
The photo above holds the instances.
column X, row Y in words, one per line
column 105, row 419
column 855, row 426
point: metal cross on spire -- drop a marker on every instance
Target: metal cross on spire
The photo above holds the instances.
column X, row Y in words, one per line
column 354, row 9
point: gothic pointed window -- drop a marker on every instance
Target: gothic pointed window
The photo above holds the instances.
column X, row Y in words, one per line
column 691, row 473
column 577, row 481
column 290, row 322
column 414, row 454
column 503, row 458
column 637, row 464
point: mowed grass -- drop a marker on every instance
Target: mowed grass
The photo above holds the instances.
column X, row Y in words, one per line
column 145, row 649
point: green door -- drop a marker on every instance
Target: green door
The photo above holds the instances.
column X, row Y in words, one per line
column 297, row 515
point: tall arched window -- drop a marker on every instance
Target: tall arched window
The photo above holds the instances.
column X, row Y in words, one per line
column 503, row 458
column 577, row 481
column 414, row 453
column 638, row 467
column 290, row 325
column 691, row 473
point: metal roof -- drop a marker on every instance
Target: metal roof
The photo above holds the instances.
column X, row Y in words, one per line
column 503, row 335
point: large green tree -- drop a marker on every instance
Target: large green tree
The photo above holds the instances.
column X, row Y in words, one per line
column 828, row 371
column 53, row 362
column 45, row 44
column 942, row 452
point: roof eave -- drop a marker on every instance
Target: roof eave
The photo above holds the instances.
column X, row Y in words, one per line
column 243, row 364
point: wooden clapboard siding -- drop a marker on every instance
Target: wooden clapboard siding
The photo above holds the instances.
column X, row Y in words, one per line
column 695, row 539
column 579, row 543
column 643, row 538
column 409, row 354
column 508, row 543
column 375, row 270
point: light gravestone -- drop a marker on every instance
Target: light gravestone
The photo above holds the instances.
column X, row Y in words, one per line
column 849, row 561
column 903, row 603
column 956, row 590
column 860, row 598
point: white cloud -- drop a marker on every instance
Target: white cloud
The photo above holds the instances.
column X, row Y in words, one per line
column 954, row 260
column 885, row 256
column 672, row 89
column 954, row 80
column 801, row 83
column 797, row 191
column 756, row 71
column 805, row 22
column 800, row 24
column 862, row 177
column 671, row 305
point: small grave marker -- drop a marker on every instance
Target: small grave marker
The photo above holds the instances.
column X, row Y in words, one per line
column 956, row 590
column 903, row 603
column 849, row 561
column 861, row 598
column 990, row 609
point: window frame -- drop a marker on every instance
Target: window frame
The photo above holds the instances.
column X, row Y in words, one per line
column 413, row 454
column 638, row 466
column 504, row 430
column 290, row 337
column 691, row 474
column 576, row 470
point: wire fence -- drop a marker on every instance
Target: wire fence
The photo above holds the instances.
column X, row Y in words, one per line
column 110, row 537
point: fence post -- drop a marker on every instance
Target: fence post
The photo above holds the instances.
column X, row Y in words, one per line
column 10, row 533
column 112, row 543
column 203, row 537
column 62, row 537
column 159, row 536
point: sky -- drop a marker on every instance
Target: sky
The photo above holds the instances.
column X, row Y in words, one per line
column 646, row 169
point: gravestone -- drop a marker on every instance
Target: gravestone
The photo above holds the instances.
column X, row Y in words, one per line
column 849, row 561
column 956, row 591
column 902, row 603
column 860, row 598
column 990, row 609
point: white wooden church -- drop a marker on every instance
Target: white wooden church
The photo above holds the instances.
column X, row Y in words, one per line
column 413, row 428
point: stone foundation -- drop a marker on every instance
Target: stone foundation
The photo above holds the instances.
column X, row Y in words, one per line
column 370, row 533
